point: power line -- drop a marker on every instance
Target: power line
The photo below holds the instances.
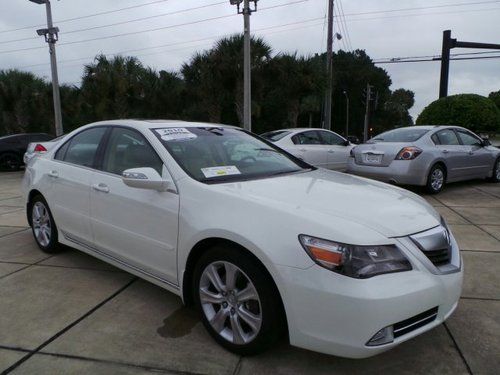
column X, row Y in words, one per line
column 185, row 10
column 341, row 10
column 153, row 29
column 434, row 59
column 86, row 16
column 213, row 37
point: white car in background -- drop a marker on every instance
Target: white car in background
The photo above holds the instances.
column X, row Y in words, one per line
column 262, row 243
column 318, row 147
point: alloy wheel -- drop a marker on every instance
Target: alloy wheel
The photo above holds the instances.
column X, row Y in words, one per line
column 41, row 224
column 230, row 302
column 437, row 179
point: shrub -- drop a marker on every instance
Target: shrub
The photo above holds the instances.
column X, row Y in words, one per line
column 471, row 111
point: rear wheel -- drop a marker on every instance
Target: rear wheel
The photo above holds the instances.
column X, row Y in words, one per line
column 495, row 177
column 9, row 162
column 43, row 226
column 238, row 303
column 436, row 179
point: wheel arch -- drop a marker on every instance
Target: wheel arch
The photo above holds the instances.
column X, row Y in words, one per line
column 442, row 163
column 200, row 248
column 33, row 193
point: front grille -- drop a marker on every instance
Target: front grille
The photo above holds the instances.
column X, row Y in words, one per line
column 438, row 257
column 417, row 321
column 435, row 244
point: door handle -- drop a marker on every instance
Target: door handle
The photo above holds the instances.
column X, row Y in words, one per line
column 101, row 187
column 445, row 151
column 53, row 174
column 331, row 151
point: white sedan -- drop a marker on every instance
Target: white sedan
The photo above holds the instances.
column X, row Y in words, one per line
column 318, row 147
column 261, row 243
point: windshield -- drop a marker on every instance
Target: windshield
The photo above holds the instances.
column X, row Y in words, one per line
column 400, row 135
column 211, row 155
column 275, row 135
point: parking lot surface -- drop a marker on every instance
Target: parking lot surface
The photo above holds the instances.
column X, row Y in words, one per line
column 71, row 313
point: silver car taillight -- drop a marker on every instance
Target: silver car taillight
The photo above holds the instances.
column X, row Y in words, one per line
column 408, row 153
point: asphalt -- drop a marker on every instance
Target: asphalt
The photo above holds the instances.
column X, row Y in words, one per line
column 71, row 313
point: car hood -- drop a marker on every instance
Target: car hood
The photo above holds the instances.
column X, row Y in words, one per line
column 388, row 210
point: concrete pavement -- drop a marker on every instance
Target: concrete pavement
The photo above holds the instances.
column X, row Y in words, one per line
column 71, row 313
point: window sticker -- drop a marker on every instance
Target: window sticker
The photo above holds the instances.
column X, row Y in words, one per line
column 175, row 134
column 225, row 170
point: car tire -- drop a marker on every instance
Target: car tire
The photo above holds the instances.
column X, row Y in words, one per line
column 9, row 162
column 495, row 177
column 244, row 316
column 436, row 179
column 43, row 226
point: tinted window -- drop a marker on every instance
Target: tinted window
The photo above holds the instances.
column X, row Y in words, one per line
column 210, row 154
column 435, row 139
column 468, row 139
column 81, row 149
column 331, row 139
column 275, row 135
column 39, row 137
column 400, row 135
column 447, row 137
column 128, row 149
column 307, row 138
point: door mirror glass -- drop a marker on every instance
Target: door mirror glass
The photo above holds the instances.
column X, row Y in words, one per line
column 146, row 178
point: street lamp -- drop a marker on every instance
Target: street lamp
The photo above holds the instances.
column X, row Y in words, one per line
column 346, row 113
column 51, row 37
column 247, row 82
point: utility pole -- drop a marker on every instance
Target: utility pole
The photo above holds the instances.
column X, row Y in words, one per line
column 247, row 78
column 448, row 44
column 367, row 112
column 327, row 117
column 346, row 113
column 51, row 37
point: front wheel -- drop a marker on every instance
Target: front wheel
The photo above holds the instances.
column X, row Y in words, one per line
column 436, row 179
column 238, row 302
column 495, row 177
column 43, row 226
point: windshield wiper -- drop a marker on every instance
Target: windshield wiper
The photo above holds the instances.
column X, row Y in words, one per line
column 267, row 149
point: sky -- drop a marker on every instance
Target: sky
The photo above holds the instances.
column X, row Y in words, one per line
column 164, row 34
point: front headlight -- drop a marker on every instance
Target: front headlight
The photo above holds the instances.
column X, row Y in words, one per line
column 360, row 262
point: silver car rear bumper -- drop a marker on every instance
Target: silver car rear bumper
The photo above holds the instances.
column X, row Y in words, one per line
column 403, row 172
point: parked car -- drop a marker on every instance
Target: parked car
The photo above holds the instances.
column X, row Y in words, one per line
column 427, row 156
column 319, row 147
column 37, row 148
column 12, row 148
column 262, row 243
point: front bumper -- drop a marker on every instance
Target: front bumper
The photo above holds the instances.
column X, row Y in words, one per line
column 338, row 315
column 403, row 172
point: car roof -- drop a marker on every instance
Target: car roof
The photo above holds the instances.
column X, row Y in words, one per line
column 141, row 124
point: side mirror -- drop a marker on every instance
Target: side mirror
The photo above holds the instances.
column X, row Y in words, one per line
column 485, row 142
column 146, row 178
column 347, row 143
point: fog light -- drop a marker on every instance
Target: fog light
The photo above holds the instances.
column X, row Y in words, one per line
column 384, row 336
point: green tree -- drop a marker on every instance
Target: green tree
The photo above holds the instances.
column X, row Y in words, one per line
column 495, row 96
column 398, row 105
column 25, row 103
column 471, row 111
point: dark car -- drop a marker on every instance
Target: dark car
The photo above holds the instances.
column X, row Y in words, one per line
column 13, row 147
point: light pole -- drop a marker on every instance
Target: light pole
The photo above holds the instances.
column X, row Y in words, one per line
column 51, row 37
column 247, row 79
column 346, row 113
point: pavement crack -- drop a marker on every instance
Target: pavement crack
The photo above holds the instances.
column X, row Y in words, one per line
column 68, row 327
column 458, row 348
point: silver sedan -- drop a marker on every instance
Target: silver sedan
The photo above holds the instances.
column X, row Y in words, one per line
column 427, row 156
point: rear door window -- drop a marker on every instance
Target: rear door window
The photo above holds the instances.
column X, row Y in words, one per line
column 331, row 139
column 447, row 137
column 307, row 138
column 82, row 148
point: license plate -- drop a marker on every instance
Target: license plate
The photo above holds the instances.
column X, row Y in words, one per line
column 373, row 158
